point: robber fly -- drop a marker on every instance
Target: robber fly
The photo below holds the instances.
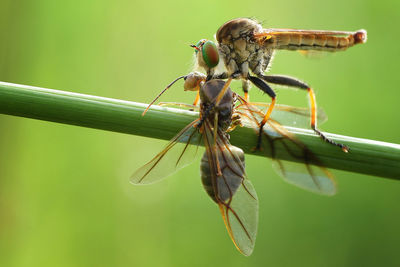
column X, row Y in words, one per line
column 223, row 166
column 246, row 49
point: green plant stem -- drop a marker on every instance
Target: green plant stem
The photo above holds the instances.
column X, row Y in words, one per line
column 366, row 156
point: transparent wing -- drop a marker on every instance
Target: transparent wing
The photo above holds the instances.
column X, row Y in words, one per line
column 305, row 170
column 232, row 191
column 179, row 105
column 301, row 167
column 313, row 54
column 306, row 176
column 285, row 115
column 178, row 153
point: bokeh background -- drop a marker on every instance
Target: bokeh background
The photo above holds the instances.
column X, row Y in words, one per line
column 65, row 198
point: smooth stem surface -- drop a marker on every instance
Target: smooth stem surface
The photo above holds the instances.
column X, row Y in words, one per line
column 366, row 156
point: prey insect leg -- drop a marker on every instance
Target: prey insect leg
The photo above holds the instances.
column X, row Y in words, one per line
column 196, row 100
column 215, row 132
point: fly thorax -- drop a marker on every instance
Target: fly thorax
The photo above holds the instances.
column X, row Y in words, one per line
column 210, row 91
column 208, row 96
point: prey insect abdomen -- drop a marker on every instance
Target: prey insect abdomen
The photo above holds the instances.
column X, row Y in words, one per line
column 222, row 187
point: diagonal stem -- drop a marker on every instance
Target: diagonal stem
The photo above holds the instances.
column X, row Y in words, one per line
column 366, row 156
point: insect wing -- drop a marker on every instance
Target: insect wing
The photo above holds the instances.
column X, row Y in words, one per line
column 241, row 217
column 302, row 168
column 233, row 192
column 306, row 176
column 178, row 153
column 285, row 115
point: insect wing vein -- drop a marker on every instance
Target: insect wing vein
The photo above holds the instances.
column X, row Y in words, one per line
column 178, row 153
column 301, row 167
column 234, row 193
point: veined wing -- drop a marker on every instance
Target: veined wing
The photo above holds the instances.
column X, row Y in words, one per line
column 224, row 178
column 179, row 105
column 302, row 168
column 285, row 115
column 178, row 153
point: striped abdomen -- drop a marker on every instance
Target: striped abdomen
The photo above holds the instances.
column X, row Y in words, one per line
column 313, row 40
column 232, row 168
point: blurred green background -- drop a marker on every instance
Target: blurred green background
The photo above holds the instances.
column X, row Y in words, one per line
column 65, row 198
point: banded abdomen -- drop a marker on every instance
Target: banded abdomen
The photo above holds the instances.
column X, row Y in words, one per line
column 232, row 169
column 311, row 40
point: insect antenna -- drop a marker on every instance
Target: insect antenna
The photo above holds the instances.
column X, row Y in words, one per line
column 158, row 96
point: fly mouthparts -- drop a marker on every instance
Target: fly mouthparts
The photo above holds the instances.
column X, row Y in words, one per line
column 360, row 36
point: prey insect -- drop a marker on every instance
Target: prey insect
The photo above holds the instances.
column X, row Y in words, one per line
column 223, row 165
column 246, row 49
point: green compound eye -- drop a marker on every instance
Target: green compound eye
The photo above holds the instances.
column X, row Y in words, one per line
column 210, row 53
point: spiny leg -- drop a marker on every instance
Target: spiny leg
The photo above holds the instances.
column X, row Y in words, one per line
column 268, row 90
column 292, row 82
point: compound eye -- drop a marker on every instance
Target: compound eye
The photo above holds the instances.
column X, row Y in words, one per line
column 210, row 53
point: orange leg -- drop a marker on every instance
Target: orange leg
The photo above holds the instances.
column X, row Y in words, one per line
column 219, row 173
column 313, row 106
column 223, row 91
column 196, row 100
column 264, row 121
column 269, row 111
column 292, row 82
column 246, row 96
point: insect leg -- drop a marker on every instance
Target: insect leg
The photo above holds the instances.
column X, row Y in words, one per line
column 246, row 87
column 223, row 91
column 292, row 82
column 196, row 100
column 220, row 76
column 266, row 89
column 215, row 132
